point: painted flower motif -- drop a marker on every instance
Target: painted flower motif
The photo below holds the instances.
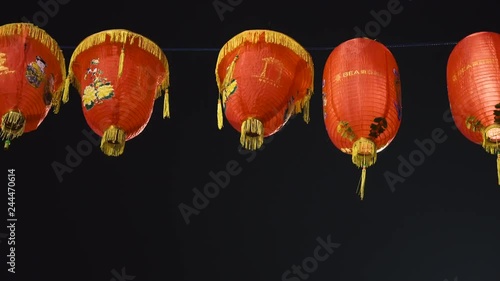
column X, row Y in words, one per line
column 105, row 91
column 99, row 89
column 35, row 72
column 89, row 97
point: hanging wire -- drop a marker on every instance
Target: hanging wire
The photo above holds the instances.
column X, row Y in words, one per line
column 400, row 45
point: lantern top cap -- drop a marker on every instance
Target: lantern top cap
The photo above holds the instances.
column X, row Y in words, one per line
column 364, row 40
column 478, row 34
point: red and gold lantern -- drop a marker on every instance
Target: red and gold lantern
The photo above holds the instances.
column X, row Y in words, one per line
column 473, row 80
column 32, row 74
column 263, row 77
column 361, row 100
column 118, row 74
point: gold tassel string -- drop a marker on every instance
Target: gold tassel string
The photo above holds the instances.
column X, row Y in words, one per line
column 362, row 181
column 67, row 84
column 166, row 105
column 122, row 60
column 220, row 121
column 360, row 190
column 364, row 155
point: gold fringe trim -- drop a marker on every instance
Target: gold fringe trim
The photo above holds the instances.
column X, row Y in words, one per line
column 124, row 37
column 303, row 106
column 492, row 146
column 113, row 141
column 273, row 37
column 36, row 33
column 13, row 124
column 252, row 134
column 364, row 155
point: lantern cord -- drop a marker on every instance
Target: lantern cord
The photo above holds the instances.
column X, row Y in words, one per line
column 308, row 48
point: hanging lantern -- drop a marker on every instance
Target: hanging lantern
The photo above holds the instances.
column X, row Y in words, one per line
column 32, row 72
column 118, row 74
column 473, row 80
column 264, row 77
column 361, row 100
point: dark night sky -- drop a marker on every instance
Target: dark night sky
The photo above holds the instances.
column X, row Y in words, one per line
column 120, row 216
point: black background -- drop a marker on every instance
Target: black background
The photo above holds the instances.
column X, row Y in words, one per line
column 120, row 215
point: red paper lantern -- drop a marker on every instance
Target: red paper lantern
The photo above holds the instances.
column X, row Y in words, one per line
column 473, row 79
column 263, row 77
column 32, row 73
column 118, row 74
column 361, row 100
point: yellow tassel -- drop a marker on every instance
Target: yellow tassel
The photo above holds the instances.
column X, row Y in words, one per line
column 113, row 141
column 252, row 134
column 220, row 121
column 122, row 59
column 362, row 183
column 498, row 167
column 67, row 83
column 306, row 111
column 166, row 106
column 6, row 145
column 364, row 154
column 13, row 125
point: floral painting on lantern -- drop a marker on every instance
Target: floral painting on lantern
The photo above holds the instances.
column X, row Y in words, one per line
column 35, row 72
column 99, row 90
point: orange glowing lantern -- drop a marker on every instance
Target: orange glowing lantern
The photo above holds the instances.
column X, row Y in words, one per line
column 118, row 74
column 473, row 80
column 264, row 77
column 32, row 73
column 361, row 100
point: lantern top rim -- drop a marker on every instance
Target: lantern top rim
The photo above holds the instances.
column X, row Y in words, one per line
column 479, row 33
column 365, row 40
column 31, row 31
column 120, row 36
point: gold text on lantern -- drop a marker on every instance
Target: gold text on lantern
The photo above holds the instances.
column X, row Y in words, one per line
column 469, row 66
column 3, row 68
column 277, row 66
column 350, row 73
